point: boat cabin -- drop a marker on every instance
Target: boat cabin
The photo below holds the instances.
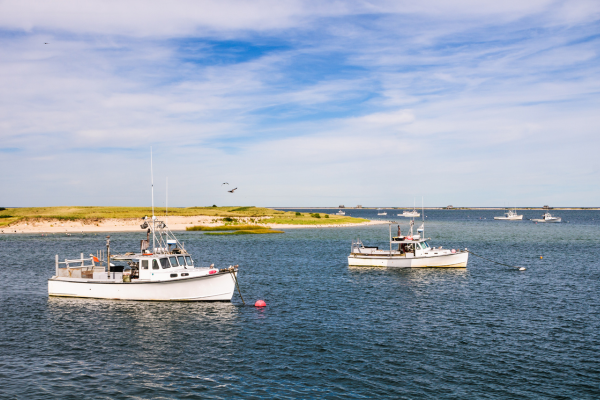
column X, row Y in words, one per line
column 399, row 246
column 153, row 266
column 407, row 245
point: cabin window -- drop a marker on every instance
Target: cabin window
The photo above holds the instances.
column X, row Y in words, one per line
column 164, row 263
column 425, row 245
column 181, row 260
column 418, row 246
column 188, row 261
column 173, row 261
column 144, row 264
column 155, row 264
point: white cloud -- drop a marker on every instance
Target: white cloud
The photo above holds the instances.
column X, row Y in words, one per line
column 459, row 95
column 187, row 17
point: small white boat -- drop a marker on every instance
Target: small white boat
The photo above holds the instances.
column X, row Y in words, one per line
column 510, row 215
column 410, row 214
column 411, row 251
column 547, row 218
column 340, row 213
column 381, row 212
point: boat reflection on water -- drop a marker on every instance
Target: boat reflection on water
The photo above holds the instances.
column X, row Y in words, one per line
column 424, row 275
column 143, row 319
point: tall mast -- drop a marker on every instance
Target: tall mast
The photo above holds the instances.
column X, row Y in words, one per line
column 423, row 216
column 153, row 217
column 167, row 203
column 152, row 182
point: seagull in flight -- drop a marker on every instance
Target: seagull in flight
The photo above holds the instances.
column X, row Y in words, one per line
column 225, row 183
column 45, row 43
column 232, row 190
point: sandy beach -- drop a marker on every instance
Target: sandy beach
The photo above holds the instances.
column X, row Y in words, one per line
column 175, row 223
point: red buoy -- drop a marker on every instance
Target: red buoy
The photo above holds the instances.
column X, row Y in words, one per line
column 260, row 303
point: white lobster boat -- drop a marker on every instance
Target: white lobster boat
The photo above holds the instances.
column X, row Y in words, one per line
column 341, row 212
column 167, row 273
column 411, row 251
column 547, row 218
column 410, row 214
column 510, row 215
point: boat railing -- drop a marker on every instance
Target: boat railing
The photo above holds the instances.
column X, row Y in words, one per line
column 78, row 268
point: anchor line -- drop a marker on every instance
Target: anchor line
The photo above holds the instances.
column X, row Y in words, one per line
column 232, row 272
column 487, row 259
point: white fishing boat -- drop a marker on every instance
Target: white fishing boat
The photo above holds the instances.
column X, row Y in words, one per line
column 510, row 215
column 340, row 213
column 167, row 273
column 547, row 218
column 381, row 212
column 410, row 214
column 164, row 272
column 412, row 251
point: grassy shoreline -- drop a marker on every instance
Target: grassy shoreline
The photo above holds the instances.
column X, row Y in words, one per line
column 233, row 215
column 233, row 229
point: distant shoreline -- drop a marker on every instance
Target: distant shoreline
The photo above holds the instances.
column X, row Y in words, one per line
column 441, row 208
column 175, row 223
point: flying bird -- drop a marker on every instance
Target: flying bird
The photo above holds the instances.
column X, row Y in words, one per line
column 45, row 43
column 225, row 183
column 232, row 190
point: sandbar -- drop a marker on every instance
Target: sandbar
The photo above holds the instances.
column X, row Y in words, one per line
column 175, row 223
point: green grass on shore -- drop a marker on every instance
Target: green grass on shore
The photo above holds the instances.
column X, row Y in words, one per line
column 250, row 232
column 94, row 214
column 237, row 229
column 226, row 228
column 307, row 219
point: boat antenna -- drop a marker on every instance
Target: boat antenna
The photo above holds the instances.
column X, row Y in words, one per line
column 423, row 216
column 167, row 203
column 152, row 183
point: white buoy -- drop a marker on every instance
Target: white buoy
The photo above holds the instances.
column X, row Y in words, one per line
column 522, row 269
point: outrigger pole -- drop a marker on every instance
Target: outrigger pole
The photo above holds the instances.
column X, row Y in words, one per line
column 108, row 256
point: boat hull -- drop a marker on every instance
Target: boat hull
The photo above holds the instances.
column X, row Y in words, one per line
column 553, row 220
column 218, row 287
column 517, row 218
column 457, row 260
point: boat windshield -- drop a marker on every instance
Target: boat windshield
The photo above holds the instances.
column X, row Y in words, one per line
column 424, row 245
column 189, row 261
column 173, row 261
column 164, row 263
column 181, row 260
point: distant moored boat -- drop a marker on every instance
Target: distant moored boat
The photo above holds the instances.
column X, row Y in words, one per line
column 547, row 218
column 510, row 215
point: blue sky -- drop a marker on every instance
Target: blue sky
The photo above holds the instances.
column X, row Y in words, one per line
column 300, row 103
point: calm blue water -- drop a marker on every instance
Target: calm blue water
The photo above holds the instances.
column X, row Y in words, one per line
column 329, row 331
